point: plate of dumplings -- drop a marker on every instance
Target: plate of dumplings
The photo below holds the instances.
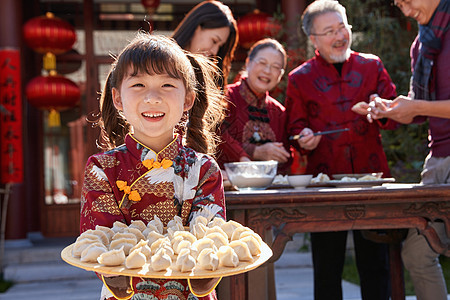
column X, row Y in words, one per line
column 205, row 249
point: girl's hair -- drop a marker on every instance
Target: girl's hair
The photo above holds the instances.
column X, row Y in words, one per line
column 318, row 8
column 210, row 14
column 155, row 54
column 267, row 43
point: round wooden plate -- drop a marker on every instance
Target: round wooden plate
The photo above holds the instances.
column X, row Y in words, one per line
column 172, row 272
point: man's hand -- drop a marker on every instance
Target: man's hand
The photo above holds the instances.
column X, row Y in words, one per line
column 402, row 109
column 308, row 141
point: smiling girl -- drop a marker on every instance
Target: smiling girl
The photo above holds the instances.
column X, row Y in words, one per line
column 152, row 83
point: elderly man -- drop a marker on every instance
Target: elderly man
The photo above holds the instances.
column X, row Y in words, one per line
column 320, row 95
column 429, row 97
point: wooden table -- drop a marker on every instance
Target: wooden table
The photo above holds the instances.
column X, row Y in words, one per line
column 290, row 211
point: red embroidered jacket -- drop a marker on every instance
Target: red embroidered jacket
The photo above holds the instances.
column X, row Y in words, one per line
column 320, row 98
column 193, row 181
column 247, row 125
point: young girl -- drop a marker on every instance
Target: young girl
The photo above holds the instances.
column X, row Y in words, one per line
column 152, row 83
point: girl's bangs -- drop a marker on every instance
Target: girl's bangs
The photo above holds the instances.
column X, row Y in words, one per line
column 155, row 60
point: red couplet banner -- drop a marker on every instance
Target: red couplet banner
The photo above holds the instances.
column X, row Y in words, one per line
column 11, row 155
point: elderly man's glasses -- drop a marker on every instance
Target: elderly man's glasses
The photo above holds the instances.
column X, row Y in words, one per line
column 273, row 68
column 333, row 32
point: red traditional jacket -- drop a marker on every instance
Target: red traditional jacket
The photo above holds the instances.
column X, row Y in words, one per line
column 320, row 98
column 191, row 182
column 251, row 120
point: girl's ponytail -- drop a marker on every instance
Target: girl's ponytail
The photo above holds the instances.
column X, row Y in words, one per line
column 113, row 126
column 208, row 111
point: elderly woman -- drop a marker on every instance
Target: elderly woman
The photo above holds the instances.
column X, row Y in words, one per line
column 255, row 125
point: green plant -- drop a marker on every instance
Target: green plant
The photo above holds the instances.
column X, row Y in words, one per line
column 4, row 285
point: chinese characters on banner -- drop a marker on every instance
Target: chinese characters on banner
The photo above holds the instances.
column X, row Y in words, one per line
column 11, row 158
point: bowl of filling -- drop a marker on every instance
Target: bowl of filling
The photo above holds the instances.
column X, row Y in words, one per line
column 251, row 175
column 299, row 181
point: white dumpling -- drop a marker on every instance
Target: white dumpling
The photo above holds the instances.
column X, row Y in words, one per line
column 216, row 229
column 185, row 262
column 101, row 235
column 114, row 257
column 216, row 222
column 218, row 238
column 238, row 231
column 149, row 229
column 229, row 227
column 252, row 233
column 138, row 224
column 175, row 224
column 145, row 249
column 175, row 241
column 137, row 233
column 156, row 222
column 199, row 219
column 161, row 260
column 90, row 236
column 118, row 226
column 124, row 243
column 227, row 257
column 208, row 259
column 92, row 252
column 155, row 245
column 108, row 231
column 242, row 250
column 124, row 235
column 167, row 248
column 253, row 245
column 183, row 244
column 82, row 244
column 185, row 235
column 136, row 259
column 153, row 236
column 199, row 230
column 204, row 243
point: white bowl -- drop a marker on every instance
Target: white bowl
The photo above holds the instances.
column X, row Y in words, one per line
column 251, row 175
column 299, row 181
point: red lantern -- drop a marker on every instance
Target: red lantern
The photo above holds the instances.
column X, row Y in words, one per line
column 54, row 93
column 49, row 35
column 150, row 5
column 255, row 26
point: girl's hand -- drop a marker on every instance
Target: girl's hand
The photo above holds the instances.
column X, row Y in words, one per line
column 308, row 141
column 271, row 151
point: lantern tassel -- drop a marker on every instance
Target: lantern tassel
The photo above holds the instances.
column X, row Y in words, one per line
column 49, row 61
column 54, row 119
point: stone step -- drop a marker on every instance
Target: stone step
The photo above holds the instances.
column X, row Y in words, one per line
column 44, row 271
column 35, row 250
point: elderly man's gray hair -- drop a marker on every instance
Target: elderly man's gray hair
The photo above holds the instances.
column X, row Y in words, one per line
column 320, row 7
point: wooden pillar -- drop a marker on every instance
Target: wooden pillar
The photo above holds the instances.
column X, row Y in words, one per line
column 10, row 38
column 91, row 105
column 293, row 10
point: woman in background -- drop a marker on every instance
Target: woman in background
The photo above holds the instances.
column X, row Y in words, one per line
column 210, row 29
